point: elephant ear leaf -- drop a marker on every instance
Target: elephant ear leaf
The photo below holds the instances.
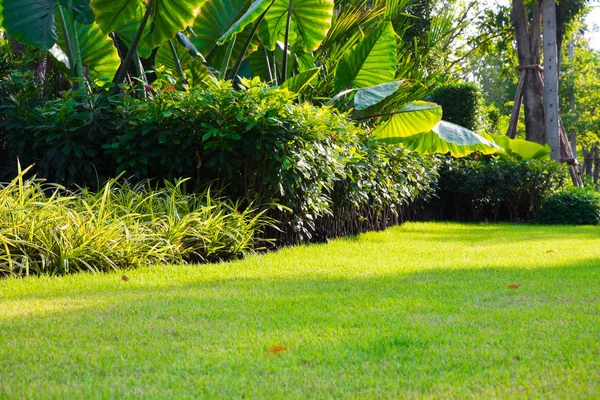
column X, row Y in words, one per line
column 170, row 17
column 310, row 21
column 370, row 96
column 32, row 22
column 299, row 82
column 371, row 62
column 448, row 138
column 256, row 9
column 522, row 149
column 413, row 118
column 98, row 53
column 113, row 15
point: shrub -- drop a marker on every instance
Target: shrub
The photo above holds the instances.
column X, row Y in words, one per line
column 462, row 104
column 252, row 145
column 45, row 229
column 571, row 206
column 496, row 189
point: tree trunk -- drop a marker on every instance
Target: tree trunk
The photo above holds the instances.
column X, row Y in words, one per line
column 587, row 161
column 528, row 48
column 572, row 103
column 551, row 78
column 596, row 165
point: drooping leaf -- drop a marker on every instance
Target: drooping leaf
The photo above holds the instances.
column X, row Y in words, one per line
column 450, row 138
column 311, row 20
column 413, row 118
column 60, row 55
column 170, row 17
column 215, row 18
column 522, row 149
column 167, row 18
column 32, row 22
column 97, row 50
column 371, row 62
column 299, row 82
column 256, row 9
column 373, row 95
column 113, row 15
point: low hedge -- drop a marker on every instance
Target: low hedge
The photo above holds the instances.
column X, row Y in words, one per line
column 571, row 206
column 491, row 189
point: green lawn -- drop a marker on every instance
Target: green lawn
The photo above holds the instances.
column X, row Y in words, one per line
column 422, row 310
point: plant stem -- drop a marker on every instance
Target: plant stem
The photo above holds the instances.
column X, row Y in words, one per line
column 240, row 59
column 227, row 58
column 177, row 63
column 120, row 75
column 286, row 44
column 72, row 47
column 139, row 70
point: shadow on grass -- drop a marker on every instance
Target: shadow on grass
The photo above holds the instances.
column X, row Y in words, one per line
column 431, row 332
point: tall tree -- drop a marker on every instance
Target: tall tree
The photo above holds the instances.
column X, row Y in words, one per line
column 551, row 78
column 528, row 37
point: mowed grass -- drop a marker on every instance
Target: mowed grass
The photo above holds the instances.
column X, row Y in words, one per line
column 419, row 311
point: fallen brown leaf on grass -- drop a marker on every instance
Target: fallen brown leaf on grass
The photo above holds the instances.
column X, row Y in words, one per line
column 278, row 349
column 549, row 251
column 513, row 286
column 125, row 278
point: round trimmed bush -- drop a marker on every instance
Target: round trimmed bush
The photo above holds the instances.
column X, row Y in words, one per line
column 572, row 206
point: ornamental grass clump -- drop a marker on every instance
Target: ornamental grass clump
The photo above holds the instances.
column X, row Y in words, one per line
column 46, row 229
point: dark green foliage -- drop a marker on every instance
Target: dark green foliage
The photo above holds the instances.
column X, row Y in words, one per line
column 571, row 206
column 496, row 189
column 254, row 145
column 462, row 104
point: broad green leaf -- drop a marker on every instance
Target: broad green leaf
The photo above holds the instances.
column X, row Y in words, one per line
column 215, row 18
column 311, row 20
column 98, row 53
column 32, row 22
column 413, row 118
column 522, row 149
column 168, row 17
column 373, row 95
column 446, row 138
column 299, row 82
column 127, row 32
column 371, row 62
column 256, row 9
column 113, row 15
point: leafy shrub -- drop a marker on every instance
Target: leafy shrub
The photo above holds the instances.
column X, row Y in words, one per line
column 571, row 206
column 253, row 145
column 45, row 229
column 496, row 189
column 462, row 104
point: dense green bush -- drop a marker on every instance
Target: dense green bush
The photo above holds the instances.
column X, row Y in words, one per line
column 45, row 229
column 496, row 189
column 571, row 206
column 462, row 104
column 254, row 145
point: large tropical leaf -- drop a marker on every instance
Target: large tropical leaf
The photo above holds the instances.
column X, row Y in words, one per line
column 98, row 53
column 256, row 9
column 448, row 138
column 522, row 149
column 413, row 118
column 299, row 82
column 32, row 22
column 168, row 17
column 370, row 96
column 311, row 20
column 371, row 62
column 215, row 18
column 127, row 33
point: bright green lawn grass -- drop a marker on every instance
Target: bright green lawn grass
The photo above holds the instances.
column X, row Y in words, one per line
column 423, row 310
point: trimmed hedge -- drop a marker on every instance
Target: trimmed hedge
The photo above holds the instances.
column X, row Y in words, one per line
column 481, row 189
column 571, row 206
column 462, row 103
